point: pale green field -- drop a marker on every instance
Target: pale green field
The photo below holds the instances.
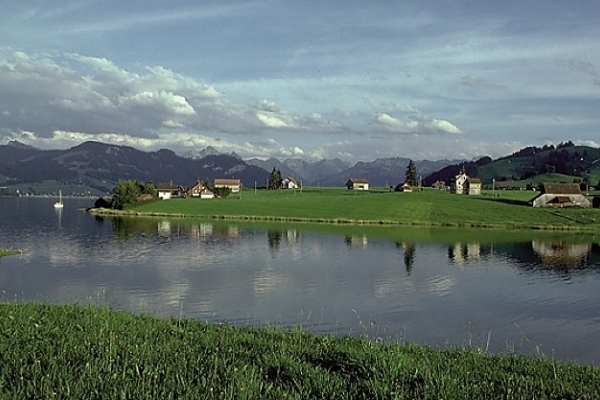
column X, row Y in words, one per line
column 504, row 209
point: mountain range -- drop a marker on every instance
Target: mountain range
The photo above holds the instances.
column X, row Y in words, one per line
column 98, row 166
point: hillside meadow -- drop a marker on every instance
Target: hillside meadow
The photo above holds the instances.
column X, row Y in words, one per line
column 429, row 207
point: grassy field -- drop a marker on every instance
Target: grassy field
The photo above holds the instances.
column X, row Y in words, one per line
column 77, row 352
column 501, row 209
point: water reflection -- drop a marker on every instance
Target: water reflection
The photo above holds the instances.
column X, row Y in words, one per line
column 426, row 284
column 464, row 253
column 562, row 254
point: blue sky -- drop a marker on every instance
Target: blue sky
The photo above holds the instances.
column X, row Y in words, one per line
column 335, row 79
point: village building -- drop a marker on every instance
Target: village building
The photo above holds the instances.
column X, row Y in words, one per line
column 439, row 185
column 290, row 183
column 357, row 184
column 234, row 184
column 196, row 189
column 464, row 184
column 169, row 190
column 560, row 195
column 206, row 193
column 403, row 187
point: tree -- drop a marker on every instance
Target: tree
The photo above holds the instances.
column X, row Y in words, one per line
column 150, row 188
column 125, row 194
column 275, row 179
column 411, row 174
column 222, row 192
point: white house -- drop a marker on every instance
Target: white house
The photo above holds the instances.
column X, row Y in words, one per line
column 560, row 195
column 234, row 184
column 464, row 184
column 290, row 183
column 357, row 184
column 169, row 190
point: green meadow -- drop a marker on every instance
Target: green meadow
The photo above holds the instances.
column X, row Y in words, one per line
column 90, row 352
column 429, row 207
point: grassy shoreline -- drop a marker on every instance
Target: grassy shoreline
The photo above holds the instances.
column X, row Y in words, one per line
column 10, row 252
column 76, row 351
column 428, row 208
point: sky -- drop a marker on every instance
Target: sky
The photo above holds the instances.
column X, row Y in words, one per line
column 353, row 80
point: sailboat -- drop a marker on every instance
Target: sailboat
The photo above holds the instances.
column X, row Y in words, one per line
column 59, row 202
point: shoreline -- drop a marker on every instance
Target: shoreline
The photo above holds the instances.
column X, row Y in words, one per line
column 347, row 221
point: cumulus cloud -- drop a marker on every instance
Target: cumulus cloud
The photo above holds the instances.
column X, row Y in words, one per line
column 417, row 124
column 45, row 93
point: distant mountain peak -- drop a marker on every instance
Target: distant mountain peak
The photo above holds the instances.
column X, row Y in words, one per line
column 20, row 145
column 199, row 154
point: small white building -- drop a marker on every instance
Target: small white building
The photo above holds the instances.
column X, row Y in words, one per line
column 290, row 183
column 169, row 190
column 561, row 195
column 357, row 184
column 464, row 184
column 234, row 184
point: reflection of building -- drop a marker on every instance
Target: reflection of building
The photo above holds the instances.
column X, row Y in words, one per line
column 292, row 235
column 462, row 253
column 202, row 230
column 357, row 241
column 164, row 228
column 561, row 253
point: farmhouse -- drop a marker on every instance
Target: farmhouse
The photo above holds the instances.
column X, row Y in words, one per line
column 206, row 193
column 195, row 190
column 290, row 183
column 234, row 184
column 403, row 187
column 560, row 195
column 438, row 184
column 357, row 184
column 169, row 190
column 464, row 184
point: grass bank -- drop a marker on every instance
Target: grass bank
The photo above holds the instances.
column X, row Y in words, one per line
column 9, row 252
column 72, row 351
column 431, row 208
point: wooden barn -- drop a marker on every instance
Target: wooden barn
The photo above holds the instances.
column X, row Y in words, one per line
column 561, row 195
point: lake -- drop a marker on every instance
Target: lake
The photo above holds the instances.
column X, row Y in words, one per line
column 534, row 293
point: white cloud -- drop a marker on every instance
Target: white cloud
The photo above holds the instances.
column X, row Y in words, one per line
column 174, row 103
column 271, row 121
column 417, row 124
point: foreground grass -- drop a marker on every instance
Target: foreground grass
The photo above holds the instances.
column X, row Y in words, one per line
column 72, row 351
column 426, row 208
column 9, row 252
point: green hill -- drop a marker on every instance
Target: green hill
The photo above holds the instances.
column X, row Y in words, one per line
column 532, row 165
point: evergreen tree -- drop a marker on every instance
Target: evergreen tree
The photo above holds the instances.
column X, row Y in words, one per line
column 275, row 179
column 411, row 174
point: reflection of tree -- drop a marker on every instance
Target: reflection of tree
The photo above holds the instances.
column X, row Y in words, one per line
column 274, row 238
column 409, row 255
column 124, row 228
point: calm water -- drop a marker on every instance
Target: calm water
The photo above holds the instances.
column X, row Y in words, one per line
column 538, row 295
